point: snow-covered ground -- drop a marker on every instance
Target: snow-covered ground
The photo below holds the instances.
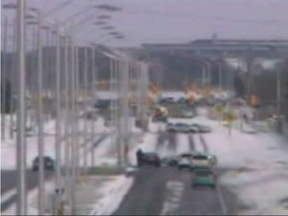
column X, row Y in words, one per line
column 8, row 146
column 257, row 167
column 104, row 154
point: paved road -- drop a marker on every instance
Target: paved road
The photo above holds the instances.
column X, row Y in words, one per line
column 168, row 191
column 9, row 182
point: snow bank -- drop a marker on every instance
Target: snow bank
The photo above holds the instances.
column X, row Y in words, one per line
column 112, row 194
column 258, row 165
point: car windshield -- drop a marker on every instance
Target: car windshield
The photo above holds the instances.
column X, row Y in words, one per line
column 186, row 156
column 200, row 157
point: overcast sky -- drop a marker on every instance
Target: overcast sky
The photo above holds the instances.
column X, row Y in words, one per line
column 177, row 21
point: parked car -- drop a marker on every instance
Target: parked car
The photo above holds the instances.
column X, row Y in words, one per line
column 148, row 159
column 188, row 114
column 167, row 100
column 204, row 177
column 102, row 104
column 170, row 161
column 181, row 128
column 211, row 158
column 49, row 164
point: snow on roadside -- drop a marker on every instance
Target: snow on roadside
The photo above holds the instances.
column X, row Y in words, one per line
column 146, row 142
column 112, row 194
column 257, row 165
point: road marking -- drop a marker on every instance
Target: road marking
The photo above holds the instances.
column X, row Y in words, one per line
column 173, row 199
column 8, row 195
column 222, row 202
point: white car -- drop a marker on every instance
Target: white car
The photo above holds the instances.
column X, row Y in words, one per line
column 188, row 114
column 181, row 128
column 185, row 161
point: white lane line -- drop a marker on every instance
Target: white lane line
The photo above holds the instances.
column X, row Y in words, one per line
column 174, row 195
column 222, row 202
column 8, row 195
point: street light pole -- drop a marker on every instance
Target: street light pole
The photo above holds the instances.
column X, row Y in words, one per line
column 13, row 81
column 76, row 108
column 85, row 87
column 279, row 100
column 67, row 116
column 21, row 142
column 41, row 200
column 73, row 131
column 58, row 114
column 92, row 101
column 203, row 75
column 4, row 81
column 220, row 76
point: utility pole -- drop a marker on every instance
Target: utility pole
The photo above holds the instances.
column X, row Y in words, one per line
column 21, row 142
column 77, row 131
column 93, row 101
column 58, row 119
column 126, row 106
column 67, row 124
column 203, row 75
column 73, row 131
column 85, row 90
column 13, row 78
column 220, row 76
column 4, row 81
column 41, row 199
column 112, row 91
column 119, row 110
column 279, row 100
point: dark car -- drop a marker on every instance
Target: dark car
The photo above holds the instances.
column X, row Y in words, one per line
column 49, row 164
column 148, row 159
column 167, row 100
column 102, row 104
column 170, row 161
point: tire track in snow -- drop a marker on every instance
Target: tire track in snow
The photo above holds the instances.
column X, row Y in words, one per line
column 191, row 142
